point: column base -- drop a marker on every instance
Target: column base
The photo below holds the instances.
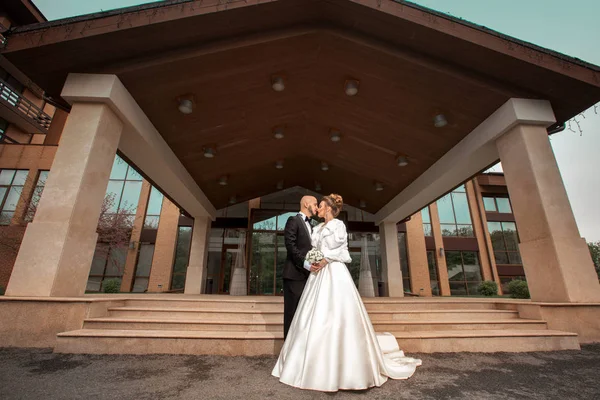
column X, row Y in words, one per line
column 558, row 270
column 57, row 265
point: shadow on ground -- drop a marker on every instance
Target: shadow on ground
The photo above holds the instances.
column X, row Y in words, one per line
column 40, row 374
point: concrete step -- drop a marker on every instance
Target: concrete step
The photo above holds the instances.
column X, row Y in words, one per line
column 238, row 326
column 486, row 341
column 446, row 315
column 206, row 314
column 200, row 314
column 276, row 303
column 102, row 341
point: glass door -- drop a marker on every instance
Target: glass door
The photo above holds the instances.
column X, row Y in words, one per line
column 267, row 252
column 228, row 256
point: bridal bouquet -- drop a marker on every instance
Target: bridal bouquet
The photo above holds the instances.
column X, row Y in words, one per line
column 314, row 256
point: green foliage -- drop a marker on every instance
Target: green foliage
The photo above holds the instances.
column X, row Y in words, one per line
column 111, row 286
column 1, row 290
column 488, row 288
column 518, row 289
column 595, row 253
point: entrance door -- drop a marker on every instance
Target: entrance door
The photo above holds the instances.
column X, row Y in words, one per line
column 266, row 264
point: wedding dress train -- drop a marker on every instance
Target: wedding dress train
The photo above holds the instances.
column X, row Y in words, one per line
column 331, row 344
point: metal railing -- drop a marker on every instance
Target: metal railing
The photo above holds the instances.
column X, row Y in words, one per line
column 24, row 105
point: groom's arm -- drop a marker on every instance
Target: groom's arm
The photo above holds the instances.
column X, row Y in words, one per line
column 290, row 235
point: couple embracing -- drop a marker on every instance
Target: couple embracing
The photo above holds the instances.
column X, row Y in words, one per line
column 330, row 343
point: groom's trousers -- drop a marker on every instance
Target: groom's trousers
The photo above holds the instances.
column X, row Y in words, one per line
column 292, row 291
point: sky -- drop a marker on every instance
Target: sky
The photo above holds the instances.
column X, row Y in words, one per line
column 569, row 27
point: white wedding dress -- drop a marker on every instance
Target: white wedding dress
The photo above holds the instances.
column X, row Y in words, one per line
column 331, row 344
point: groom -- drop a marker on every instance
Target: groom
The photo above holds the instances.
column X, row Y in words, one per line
column 296, row 269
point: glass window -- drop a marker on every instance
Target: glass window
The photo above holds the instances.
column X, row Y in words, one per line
column 182, row 256
column 464, row 272
column 426, row 221
column 119, row 169
column 6, row 176
column 489, row 204
column 282, row 220
column 133, row 175
column 433, row 273
column 11, row 187
column 497, row 204
column 155, row 202
column 36, row 195
column 130, row 196
column 404, row 262
column 3, row 128
column 503, row 205
column 505, row 242
column 143, row 267
column 455, row 216
column 153, row 210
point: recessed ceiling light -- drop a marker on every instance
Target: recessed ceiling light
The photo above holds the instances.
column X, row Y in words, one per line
column 335, row 136
column 278, row 133
column 324, row 166
column 223, row 181
column 279, row 185
column 232, row 200
column 439, row 121
column 318, row 186
column 209, row 152
column 363, row 204
column 279, row 164
column 186, row 106
column 378, row 186
column 351, row 87
column 277, row 83
column 402, row 161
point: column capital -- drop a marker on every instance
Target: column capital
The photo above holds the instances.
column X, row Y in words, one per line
column 141, row 143
column 471, row 155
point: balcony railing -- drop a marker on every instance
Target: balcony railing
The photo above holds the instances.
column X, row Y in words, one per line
column 24, row 105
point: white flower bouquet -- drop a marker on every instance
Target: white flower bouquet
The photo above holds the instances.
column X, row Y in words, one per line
column 314, row 256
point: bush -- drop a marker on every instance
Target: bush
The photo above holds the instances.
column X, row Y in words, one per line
column 488, row 288
column 111, row 286
column 1, row 290
column 518, row 289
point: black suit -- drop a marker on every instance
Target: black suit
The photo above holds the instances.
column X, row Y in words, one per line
column 297, row 243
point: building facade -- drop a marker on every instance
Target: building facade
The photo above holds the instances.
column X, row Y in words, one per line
column 449, row 248
column 212, row 161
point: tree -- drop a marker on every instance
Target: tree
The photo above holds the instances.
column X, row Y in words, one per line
column 595, row 253
column 115, row 226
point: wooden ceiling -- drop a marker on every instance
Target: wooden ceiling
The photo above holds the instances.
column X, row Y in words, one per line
column 237, row 109
column 408, row 72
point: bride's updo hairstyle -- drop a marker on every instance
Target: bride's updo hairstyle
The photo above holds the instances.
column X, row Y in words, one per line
column 336, row 203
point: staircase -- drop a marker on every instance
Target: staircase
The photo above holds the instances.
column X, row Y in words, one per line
column 250, row 326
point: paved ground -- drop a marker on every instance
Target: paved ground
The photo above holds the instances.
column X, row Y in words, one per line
column 39, row 374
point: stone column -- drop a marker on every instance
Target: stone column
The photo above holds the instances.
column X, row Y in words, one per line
column 390, row 257
column 57, row 249
column 195, row 279
column 440, row 258
column 164, row 248
column 486, row 235
column 136, row 233
column 556, row 259
column 479, row 232
column 417, row 256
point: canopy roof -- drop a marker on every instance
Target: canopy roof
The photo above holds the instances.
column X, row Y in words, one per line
column 411, row 64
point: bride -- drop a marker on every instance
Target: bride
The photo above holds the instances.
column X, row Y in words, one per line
column 331, row 344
